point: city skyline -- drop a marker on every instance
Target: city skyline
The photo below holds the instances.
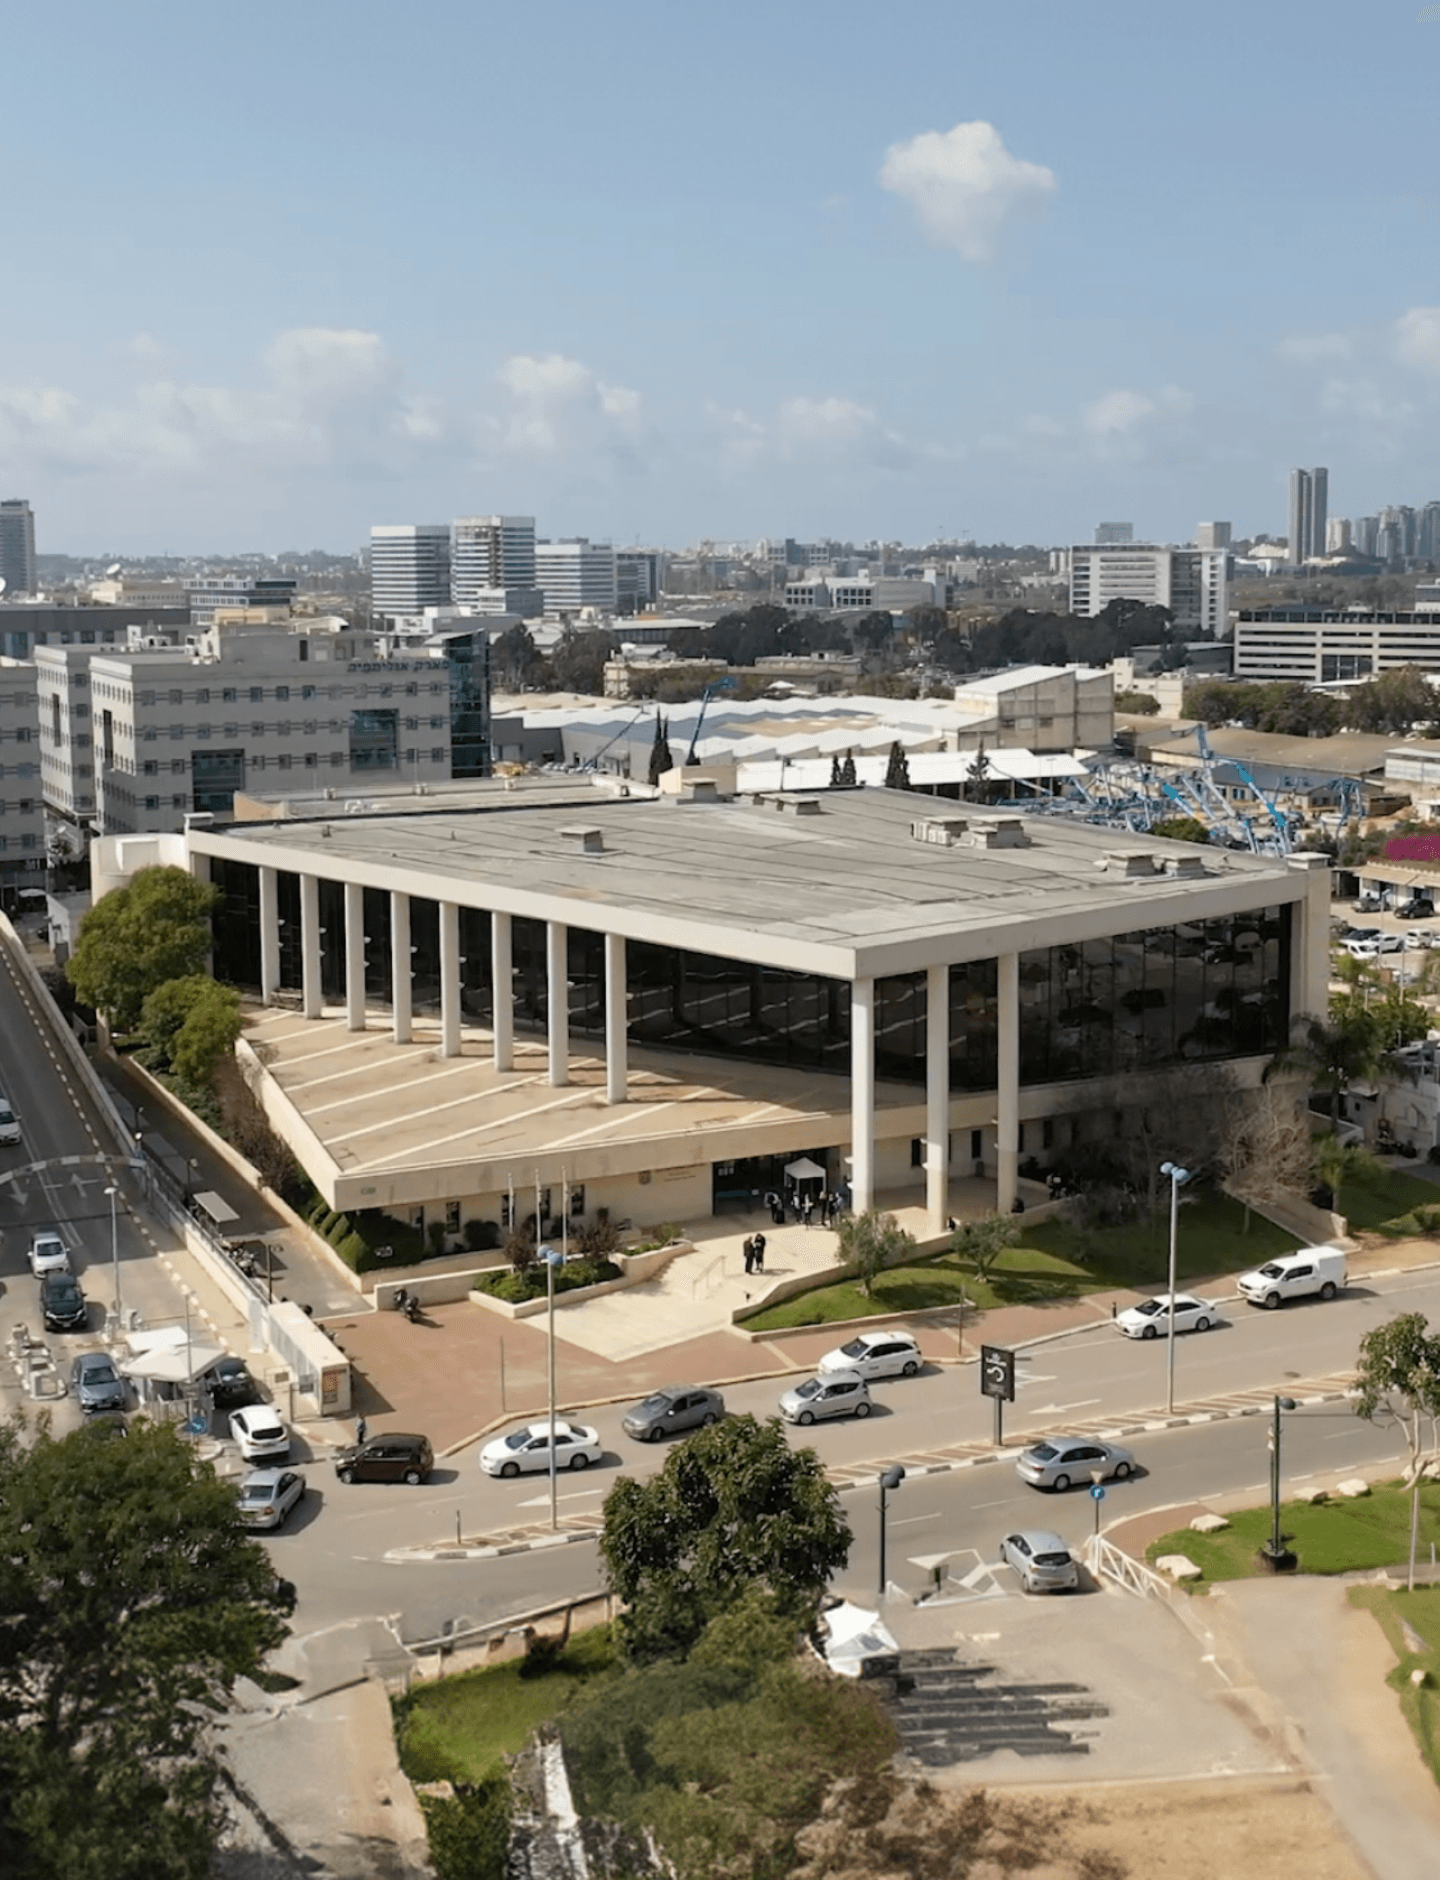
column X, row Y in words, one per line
column 935, row 289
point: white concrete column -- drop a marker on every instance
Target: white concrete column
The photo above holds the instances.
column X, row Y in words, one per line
column 503, row 974
column 617, row 1019
column 1310, row 940
column 401, row 977
column 937, row 1097
column 310, row 945
column 1007, row 1119
column 449, row 980
column 354, row 956
column 862, row 1095
column 557, row 1001
column 269, row 936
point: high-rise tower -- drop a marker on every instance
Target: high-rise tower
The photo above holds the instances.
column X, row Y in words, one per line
column 17, row 547
column 1309, row 498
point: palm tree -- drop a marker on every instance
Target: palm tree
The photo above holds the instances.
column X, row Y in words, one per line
column 1347, row 1164
column 1335, row 1053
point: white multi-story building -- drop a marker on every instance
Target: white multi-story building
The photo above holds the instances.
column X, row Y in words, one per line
column 1191, row 582
column 1038, row 708
column 1318, row 645
column 275, row 594
column 22, row 807
column 489, row 553
column 409, row 567
column 132, row 740
column 575, row 574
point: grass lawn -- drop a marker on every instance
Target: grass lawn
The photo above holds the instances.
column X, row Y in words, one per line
column 1053, row 1261
column 458, row 1728
column 1419, row 1610
column 1388, row 1209
column 1330, row 1537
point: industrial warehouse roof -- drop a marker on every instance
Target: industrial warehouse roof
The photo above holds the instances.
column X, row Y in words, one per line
column 849, row 882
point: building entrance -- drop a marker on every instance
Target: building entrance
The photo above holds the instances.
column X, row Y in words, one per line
column 739, row 1186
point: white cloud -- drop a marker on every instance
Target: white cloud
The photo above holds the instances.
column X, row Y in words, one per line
column 1417, row 338
column 964, row 186
column 560, row 404
column 1367, row 403
column 1313, row 349
column 1120, row 412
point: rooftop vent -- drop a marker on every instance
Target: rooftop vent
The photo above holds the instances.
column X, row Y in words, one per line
column 1006, row 832
column 1132, row 865
column 1186, row 867
column 581, row 840
column 944, row 831
column 699, row 790
column 798, row 805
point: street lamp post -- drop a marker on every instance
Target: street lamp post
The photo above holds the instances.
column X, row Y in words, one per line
column 890, row 1478
column 1274, row 1552
column 552, row 1259
column 112, row 1191
column 1178, row 1176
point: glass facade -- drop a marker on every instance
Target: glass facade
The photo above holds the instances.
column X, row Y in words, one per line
column 374, row 740
column 1133, row 1001
column 215, row 776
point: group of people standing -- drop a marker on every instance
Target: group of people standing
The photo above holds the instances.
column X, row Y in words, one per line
column 818, row 1210
column 755, row 1254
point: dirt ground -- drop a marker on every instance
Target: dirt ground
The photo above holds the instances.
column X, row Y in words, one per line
column 1200, row 1830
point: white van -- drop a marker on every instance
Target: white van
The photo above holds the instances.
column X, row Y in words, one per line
column 9, row 1123
column 1294, row 1275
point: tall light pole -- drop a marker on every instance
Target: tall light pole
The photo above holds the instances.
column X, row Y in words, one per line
column 1274, row 1550
column 1177, row 1176
column 552, row 1259
column 890, row 1478
column 112, row 1191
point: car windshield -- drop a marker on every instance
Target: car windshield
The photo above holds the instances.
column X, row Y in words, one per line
column 98, row 1371
column 1272, row 1271
column 518, row 1439
column 265, row 1432
column 658, row 1404
column 808, row 1388
column 256, row 1491
column 1044, row 1452
column 6, row 1115
column 1151, row 1307
column 857, row 1348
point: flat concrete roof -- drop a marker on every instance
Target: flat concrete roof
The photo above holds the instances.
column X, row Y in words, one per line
column 845, row 890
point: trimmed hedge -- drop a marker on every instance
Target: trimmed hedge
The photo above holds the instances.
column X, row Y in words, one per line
column 516, row 1288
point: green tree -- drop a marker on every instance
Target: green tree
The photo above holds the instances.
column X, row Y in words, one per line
column 734, row 1508
column 897, row 771
column 1333, row 1054
column 516, row 663
column 140, row 936
column 130, row 1601
column 577, row 663
column 1346, row 1165
column 661, row 757
column 1182, row 829
column 1398, row 1382
column 870, row 1242
column 984, row 1239
column 192, row 1023
column 1137, row 704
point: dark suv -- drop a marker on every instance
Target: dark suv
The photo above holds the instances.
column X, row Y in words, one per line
column 62, row 1304
column 389, row 1458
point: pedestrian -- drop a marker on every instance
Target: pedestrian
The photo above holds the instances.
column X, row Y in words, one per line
column 749, row 1256
column 806, row 1208
column 759, row 1245
column 362, row 1429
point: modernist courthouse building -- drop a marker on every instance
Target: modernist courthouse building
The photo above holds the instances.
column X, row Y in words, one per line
column 627, row 991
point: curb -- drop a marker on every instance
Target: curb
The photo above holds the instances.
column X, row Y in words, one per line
column 855, row 1476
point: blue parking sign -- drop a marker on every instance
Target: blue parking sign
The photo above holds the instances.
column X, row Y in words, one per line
column 1097, row 1491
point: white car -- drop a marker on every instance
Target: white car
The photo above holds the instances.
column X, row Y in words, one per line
column 1152, row 1318
column 9, row 1123
column 48, row 1253
column 875, row 1354
column 260, row 1434
column 527, row 1450
column 1363, row 949
column 1421, row 939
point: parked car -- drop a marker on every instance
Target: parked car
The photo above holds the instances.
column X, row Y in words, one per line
column 1420, row 939
column 267, row 1496
column 1295, row 1276
column 1364, row 949
column 1060, row 1461
column 840, row 1394
column 48, row 1253
column 669, row 1411
column 62, row 1304
column 1152, row 1318
column 1392, row 942
column 9, row 1122
column 527, row 1450
column 259, row 1433
column 1042, row 1560
column 1360, row 933
column 875, row 1354
column 394, row 1457
column 230, row 1385
column 95, row 1383
column 1418, row 909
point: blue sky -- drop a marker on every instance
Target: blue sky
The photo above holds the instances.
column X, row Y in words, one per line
column 656, row 272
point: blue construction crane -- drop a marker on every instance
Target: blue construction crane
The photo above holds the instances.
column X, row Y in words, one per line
column 727, row 684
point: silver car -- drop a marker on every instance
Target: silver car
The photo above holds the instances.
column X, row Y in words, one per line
column 1042, row 1560
column 667, row 1412
column 268, row 1495
column 96, row 1384
column 837, row 1394
column 1059, row 1461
